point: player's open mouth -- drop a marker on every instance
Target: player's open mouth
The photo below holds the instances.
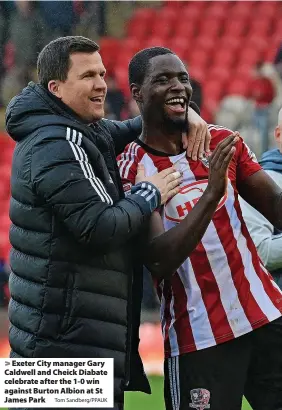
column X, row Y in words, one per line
column 176, row 104
column 98, row 100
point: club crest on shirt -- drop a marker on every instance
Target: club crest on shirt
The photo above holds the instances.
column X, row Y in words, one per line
column 177, row 208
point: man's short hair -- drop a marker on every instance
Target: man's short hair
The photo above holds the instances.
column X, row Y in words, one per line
column 139, row 64
column 53, row 62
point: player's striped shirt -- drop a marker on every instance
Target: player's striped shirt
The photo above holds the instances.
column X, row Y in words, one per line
column 222, row 290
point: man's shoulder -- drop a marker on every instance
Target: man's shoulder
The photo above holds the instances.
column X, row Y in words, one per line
column 54, row 133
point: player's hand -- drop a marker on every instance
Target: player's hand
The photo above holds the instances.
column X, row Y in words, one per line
column 198, row 140
column 218, row 166
column 167, row 181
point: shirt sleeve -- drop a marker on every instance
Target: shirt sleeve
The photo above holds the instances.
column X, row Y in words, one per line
column 247, row 163
column 128, row 163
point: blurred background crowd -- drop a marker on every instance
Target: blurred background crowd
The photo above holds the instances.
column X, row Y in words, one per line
column 233, row 51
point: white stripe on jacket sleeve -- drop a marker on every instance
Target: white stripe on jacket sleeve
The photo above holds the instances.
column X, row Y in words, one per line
column 75, row 140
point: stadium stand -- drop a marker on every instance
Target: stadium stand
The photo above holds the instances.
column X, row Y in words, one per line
column 213, row 45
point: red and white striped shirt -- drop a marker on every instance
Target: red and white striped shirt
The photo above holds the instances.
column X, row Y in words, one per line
column 222, row 290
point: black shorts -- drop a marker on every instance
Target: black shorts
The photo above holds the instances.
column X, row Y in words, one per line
column 216, row 378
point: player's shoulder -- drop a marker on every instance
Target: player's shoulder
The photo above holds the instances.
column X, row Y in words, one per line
column 131, row 152
column 218, row 133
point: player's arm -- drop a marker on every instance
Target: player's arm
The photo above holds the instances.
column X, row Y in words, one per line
column 80, row 200
column 260, row 191
column 166, row 251
column 198, row 140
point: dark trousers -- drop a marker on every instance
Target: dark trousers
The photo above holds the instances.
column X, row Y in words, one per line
column 217, row 378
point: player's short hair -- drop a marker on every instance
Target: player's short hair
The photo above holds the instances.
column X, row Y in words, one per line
column 53, row 62
column 139, row 63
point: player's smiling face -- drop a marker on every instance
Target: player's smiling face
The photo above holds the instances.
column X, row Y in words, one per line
column 166, row 91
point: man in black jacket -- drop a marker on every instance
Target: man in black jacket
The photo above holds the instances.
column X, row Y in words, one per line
column 74, row 259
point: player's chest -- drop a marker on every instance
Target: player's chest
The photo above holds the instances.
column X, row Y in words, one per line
column 191, row 171
column 195, row 176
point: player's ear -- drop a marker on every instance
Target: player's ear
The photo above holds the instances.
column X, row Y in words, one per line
column 135, row 92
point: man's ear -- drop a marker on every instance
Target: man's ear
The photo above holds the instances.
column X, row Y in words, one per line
column 136, row 92
column 278, row 137
column 54, row 88
column 277, row 133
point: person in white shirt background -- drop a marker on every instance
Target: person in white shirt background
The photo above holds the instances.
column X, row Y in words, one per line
column 267, row 239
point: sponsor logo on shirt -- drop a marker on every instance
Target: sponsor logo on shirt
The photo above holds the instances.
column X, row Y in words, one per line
column 177, row 208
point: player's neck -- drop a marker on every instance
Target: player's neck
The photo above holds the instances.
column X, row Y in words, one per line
column 161, row 141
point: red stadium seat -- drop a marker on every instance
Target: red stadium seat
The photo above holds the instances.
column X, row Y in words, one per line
column 239, row 87
column 168, row 14
column 204, row 43
column 224, row 57
column 268, row 8
column 212, row 87
column 220, row 40
column 192, row 12
column 184, row 29
column 211, row 28
column 241, row 9
column 243, row 70
column 236, row 27
column 249, row 56
column 198, row 57
column 260, row 27
column 180, row 43
column 196, row 72
column 109, row 44
column 5, row 222
column 130, row 44
column 219, row 73
column 213, row 92
column 160, row 28
column 138, row 29
column 217, row 9
column 260, row 43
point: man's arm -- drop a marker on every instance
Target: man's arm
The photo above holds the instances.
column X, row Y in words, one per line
column 260, row 191
column 166, row 251
column 124, row 132
column 65, row 180
column 268, row 245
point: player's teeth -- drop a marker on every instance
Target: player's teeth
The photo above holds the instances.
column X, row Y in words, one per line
column 176, row 100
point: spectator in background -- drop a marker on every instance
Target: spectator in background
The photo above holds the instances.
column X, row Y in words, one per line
column 278, row 61
column 267, row 239
column 115, row 98
column 58, row 16
column 263, row 93
column 26, row 33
